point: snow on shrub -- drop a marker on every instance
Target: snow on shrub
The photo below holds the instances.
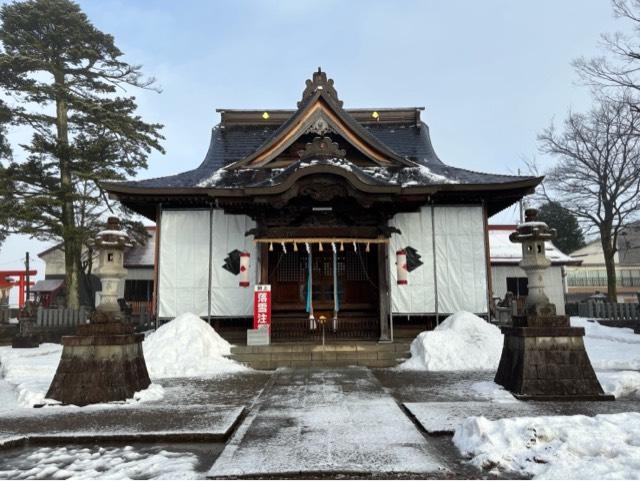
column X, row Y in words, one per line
column 462, row 342
column 187, row 347
column 606, row 446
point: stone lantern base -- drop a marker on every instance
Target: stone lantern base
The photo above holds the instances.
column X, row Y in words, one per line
column 103, row 362
column 544, row 359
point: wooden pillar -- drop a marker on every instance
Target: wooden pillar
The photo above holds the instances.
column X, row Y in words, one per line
column 487, row 255
column 383, row 292
column 263, row 260
column 156, row 266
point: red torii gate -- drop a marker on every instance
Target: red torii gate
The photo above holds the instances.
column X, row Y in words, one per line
column 21, row 282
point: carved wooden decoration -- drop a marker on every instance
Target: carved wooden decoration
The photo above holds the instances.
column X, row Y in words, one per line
column 319, row 126
column 319, row 81
column 322, row 147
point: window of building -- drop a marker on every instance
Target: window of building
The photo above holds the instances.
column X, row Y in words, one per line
column 138, row 290
column 518, row 286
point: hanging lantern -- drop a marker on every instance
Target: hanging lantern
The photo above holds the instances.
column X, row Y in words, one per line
column 244, row 269
column 401, row 263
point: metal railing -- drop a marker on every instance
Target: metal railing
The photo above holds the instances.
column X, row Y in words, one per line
column 60, row 317
column 609, row 310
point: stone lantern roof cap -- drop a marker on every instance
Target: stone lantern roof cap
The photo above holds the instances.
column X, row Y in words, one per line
column 113, row 235
column 532, row 229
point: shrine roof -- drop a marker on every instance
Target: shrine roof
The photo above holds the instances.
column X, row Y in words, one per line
column 232, row 143
column 382, row 150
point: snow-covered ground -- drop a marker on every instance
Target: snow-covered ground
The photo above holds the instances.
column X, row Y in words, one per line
column 465, row 342
column 606, row 446
column 610, row 347
column 101, row 463
column 184, row 347
column 29, row 372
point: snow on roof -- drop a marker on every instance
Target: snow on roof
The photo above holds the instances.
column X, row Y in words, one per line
column 142, row 255
column 47, row 285
column 136, row 256
column 503, row 251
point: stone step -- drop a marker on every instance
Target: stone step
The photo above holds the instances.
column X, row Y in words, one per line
column 313, row 355
column 401, row 347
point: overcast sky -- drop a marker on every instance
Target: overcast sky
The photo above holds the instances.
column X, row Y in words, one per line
column 491, row 74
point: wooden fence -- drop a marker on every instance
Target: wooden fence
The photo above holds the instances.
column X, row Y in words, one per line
column 61, row 317
column 609, row 310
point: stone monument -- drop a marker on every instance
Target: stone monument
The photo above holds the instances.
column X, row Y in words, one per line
column 543, row 357
column 103, row 361
column 26, row 338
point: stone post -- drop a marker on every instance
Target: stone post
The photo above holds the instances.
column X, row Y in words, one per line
column 543, row 357
column 103, row 361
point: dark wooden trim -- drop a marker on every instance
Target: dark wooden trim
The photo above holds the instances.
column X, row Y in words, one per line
column 264, row 263
column 239, row 117
column 321, row 104
column 200, row 192
column 384, row 292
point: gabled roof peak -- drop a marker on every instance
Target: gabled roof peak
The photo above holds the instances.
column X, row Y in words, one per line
column 320, row 82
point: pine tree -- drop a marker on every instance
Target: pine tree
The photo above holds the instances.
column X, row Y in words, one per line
column 64, row 77
column 6, row 186
column 570, row 236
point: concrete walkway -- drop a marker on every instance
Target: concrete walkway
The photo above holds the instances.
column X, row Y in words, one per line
column 191, row 410
column 310, row 422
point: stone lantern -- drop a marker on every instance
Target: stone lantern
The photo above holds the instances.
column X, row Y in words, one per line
column 103, row 361
column 110, row 245
column 543, row 357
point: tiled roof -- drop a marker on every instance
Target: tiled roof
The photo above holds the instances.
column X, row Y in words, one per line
column 232, row 143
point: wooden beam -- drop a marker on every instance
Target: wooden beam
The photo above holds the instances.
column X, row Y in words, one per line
column 383, row 293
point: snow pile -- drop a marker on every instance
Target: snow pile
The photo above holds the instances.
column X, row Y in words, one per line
column 610, row 347
column 30, row 371
column 555, row 447
column 622, row 384
column 188, row 347
column 155, row 392
column 462, row 342
column 490, row 390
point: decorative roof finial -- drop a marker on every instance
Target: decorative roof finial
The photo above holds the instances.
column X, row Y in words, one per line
column 322, row 148
column 319, row 81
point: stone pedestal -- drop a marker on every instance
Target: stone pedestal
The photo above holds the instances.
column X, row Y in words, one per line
column 103, row 362
column 544, row 359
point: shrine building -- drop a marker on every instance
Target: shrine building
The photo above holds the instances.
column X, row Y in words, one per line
column 348, row 214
